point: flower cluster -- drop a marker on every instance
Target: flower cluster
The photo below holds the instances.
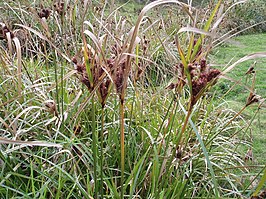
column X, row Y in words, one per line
column 141, row 64
column 252, row 98
column 145, row 45
column 118, row 76
column 83, row 75
column 115, row 70
column 200, row 74
column 60, row 8
column 4, row 30
column 97, row 72
column 44, row 13
column 103, row 72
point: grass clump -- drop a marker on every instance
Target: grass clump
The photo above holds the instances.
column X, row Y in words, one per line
column 107, row 108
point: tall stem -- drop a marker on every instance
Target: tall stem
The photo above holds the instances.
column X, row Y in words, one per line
column 101, row 159
column 179, row 141
column 122, row 145
column 94, row 146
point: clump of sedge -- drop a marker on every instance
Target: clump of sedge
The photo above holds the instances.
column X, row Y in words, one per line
column 97, row 73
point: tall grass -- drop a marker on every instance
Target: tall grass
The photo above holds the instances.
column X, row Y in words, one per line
column 108, row 108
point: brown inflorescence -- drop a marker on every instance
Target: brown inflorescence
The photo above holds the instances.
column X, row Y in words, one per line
column 253, row 98
column 119, row 77
column 83, row 75
column 204, row 78
column 97, row 9
column 251, row 70
column 203, row 65
column 44, row 13
column 74, row 60
column 97, row 73
column 104, row 90
column 59, row 7
column 212, row 74
column 198, row 84
column 200, row 74
column 193, row 70
column 145, row 44
column 116, row 73
column 4, row 31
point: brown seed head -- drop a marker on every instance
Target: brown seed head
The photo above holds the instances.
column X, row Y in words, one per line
column 191, row 67
column 253, row 98
column 250, row 70
column 44, row 13
column 84, row 79
column 74, row 60
column 4, row 31
column 50, row 106
column 212, row 74
column 203, row 65
column 59, row 7
column 104, row 90
column 199, row 83
column 81, row 68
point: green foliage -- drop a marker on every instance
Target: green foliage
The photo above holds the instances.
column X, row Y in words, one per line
column 237, row 47
column 133, row 114
column 250, row 13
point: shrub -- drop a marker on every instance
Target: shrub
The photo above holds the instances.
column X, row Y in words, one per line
column 246, row 15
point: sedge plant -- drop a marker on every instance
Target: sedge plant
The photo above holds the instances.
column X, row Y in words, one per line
column 174, row 141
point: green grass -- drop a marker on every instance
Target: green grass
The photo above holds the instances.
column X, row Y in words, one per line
column 237, row 48
column 232, row 51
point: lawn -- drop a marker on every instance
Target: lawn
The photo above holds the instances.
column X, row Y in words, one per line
column 229, row 52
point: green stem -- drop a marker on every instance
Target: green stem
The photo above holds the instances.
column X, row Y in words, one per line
column 56, row 85
column 122, row 145
column 168, row 129
column 94, row 146
column 165, row 117
column 179, row 141
column 101, row 159
column 62, row 93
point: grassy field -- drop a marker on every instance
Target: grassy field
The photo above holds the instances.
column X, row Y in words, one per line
column 229, row 52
